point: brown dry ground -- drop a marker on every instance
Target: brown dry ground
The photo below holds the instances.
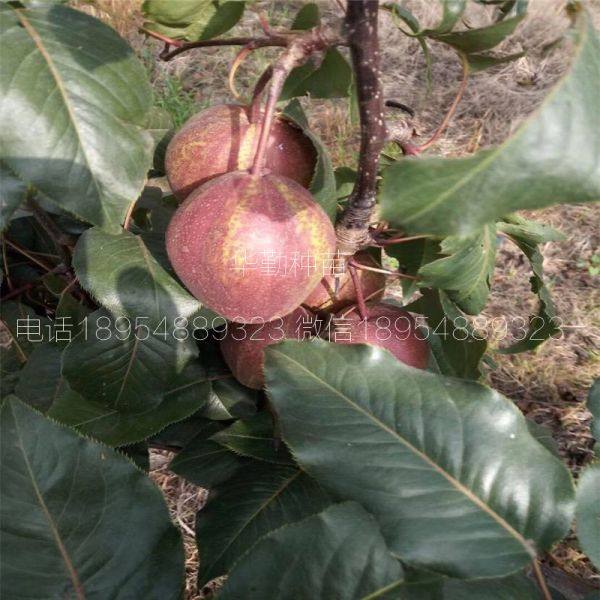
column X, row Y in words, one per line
column 549, row 384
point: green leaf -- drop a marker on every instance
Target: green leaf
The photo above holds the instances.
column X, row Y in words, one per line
column 137, row 453
column 75, row 101
column 123, row 392
column 159, row 124
column 255, row 501
column 203, row 461
column 323, row 186
column 539, row 165
column 229, row 399
column 593, row 405
column 588, row 512
column 456, row 348
column 191, row 20
column 438, row 461
column 480, row 62
column 78, row 519
column 332, row 78
column 544, row 436
column 466, row 271
column 308, row 16
column 513, row 587
column 254, row 438
column 39, row 380
column 14, row 191
column 122, row 275
column 527, row 235
column 338, row 553
column 481, row 39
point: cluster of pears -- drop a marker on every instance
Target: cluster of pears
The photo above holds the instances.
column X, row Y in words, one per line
column 237, row 239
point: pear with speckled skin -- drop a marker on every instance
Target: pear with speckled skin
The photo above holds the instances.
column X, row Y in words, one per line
column 223, row 138
column 250, row 247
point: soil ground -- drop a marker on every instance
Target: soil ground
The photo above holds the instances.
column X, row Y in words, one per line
column 549, row 384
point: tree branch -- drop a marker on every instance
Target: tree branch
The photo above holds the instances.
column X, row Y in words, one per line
column 361, row 24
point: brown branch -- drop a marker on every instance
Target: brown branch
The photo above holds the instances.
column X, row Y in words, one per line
column 537, row 571
column 361, row 24
column 274, row 40
column 163, row 38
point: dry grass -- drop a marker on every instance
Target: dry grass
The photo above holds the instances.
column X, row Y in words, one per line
column 549, row 384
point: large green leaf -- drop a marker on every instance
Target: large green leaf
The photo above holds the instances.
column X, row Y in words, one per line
column 588, row 512
column 74, row 103
column 255, row 501
column 338, row 553
column 466, row 271
column 122, row 275
column 527, row 235
column 437, row 460
column 191, row 19
column 553, row 157
column 122, row 392
column 78, row 519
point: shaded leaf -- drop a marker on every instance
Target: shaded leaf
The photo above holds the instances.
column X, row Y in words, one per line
column 480, row 62
column 13, row 190
column 527, row 235
column 323, row 186
column 457, row 196
column 544, row 436
column 203, row 461
column 347, row 560
column 457, row 350
column 254, row 438
column 191, row 20
column 588, row 512
column 437, row 461
column 83, row 94
column 255, row 501
column 117, row 411
column 79, row 519
column 138, row 453
column 466, row 271
column 122, row 275
column 39, row 380
column 513, row 587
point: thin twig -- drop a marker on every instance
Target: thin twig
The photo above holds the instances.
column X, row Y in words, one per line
column 163, row 38
column 541, row 580
column 237, row 61
column 461, row 90
column 361, row 23
column 386, row 272
column 399, row 240
column 275, row 40
column 5, row 261
column 60, row 240
column 25, row 253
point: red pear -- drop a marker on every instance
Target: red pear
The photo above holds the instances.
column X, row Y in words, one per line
column 324, row 298
column 386, row 326
column 250, row 247
column 222, row 139
column 243, row 346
